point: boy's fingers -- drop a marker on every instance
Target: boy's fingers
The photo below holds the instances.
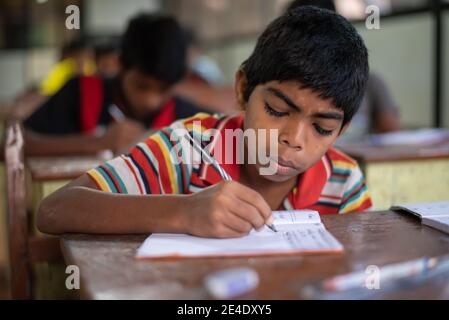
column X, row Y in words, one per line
column 248, row 213
column 227, row 232
column 237, row 224
column 255, row 199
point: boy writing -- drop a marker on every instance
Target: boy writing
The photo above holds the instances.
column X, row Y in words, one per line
column 304, row 81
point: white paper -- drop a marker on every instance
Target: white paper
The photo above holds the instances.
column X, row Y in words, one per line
column 433, row 214
column 430, row 209
column 297, row 236
column 295, row 217
column 441, row 223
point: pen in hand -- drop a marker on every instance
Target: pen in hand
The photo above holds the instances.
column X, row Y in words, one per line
column 217, row 166
column 116, row 113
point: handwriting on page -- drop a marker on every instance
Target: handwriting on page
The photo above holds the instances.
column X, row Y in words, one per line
column 298, row 231
column 294, row 217
column 310, row 238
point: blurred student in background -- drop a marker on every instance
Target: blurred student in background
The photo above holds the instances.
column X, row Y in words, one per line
column 107, row 59
column 76, row 60
column 203, row 83
column 90, row 114
column 378, row 112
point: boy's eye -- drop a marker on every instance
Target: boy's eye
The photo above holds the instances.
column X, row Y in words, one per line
column 273, row 112
column 322, row 131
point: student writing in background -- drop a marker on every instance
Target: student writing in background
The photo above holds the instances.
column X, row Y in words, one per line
column 77, row 119
column 107, row 59
column 203, row 83
column 75, row 60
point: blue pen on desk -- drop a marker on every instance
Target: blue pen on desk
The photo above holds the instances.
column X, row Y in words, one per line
column 231, row 283
column 216, row 165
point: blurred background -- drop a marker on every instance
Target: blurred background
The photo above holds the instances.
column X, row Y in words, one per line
column 403, row 51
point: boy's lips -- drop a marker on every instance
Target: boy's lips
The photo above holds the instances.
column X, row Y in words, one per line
column 285, row 167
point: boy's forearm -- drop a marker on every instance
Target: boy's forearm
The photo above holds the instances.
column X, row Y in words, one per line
column 84, row 210
column 48, row 145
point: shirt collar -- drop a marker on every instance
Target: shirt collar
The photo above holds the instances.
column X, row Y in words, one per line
column 309, row 184
column 208, row 173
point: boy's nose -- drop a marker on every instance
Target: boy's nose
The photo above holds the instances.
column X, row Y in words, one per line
column 293, row 137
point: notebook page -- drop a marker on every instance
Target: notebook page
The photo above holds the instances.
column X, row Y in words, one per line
column 295, row 217
column 289, row 239
column 428, row 210
column 438, row 222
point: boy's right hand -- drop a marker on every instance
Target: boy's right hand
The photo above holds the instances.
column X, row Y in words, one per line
column 227, row 209
column 120, row 136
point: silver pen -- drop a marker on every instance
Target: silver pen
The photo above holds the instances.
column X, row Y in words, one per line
column 217, row 166
column 116, row 113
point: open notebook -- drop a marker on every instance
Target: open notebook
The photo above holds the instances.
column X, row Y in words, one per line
column 433, row 214
column 299, row 231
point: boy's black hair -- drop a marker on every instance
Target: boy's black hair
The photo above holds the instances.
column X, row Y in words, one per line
column 106, row 47
column 73, row 47
column 325, row 4
column 155, row 45
column 190, row 37
column 316, row 47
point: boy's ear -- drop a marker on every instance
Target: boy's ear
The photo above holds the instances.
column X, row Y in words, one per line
column 240, row 87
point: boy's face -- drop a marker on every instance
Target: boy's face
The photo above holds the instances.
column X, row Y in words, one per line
column 307, row 124
column 144, row 94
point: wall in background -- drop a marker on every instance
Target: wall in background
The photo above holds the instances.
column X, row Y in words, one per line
column 110, row 16
column 231, row 57
column 402, row 53
column 12, row 73
column 21, row 68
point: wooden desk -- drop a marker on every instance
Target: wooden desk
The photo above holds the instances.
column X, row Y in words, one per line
column 60, row 168
column 46, row 175
column 401, row 174
column 109, row 271
column 51, row 173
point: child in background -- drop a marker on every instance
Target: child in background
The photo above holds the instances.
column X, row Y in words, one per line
column 78, row 118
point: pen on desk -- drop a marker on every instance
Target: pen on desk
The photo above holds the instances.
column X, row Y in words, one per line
column 400, row 271
column 216, row 165
column 116, row 113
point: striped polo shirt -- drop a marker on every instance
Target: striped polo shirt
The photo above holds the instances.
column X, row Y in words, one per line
column 165, row 163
